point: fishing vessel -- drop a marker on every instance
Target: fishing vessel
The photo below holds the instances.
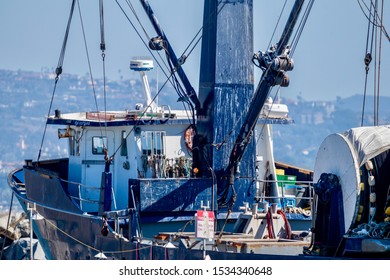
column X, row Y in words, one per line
column 151, row 182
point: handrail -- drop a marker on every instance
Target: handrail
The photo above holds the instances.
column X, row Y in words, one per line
column 302, row 184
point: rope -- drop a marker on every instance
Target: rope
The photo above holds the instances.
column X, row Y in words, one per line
column 223, row 226
column 64, row 44
column 48, row 114
column 372, row 230
column 91, row 247
column 138, row 19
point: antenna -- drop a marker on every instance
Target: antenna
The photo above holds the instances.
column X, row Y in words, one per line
column 141, row 66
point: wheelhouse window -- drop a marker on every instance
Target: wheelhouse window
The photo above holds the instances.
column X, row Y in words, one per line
column 153, row 142
column 124, row 143
column 99, row 143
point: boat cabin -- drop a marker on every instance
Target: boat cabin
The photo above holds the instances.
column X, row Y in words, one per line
column 134, row 144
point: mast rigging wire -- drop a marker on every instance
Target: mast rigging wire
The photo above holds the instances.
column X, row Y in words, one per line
column 139, row 119
column 174, row 82
column 225, row 198
column 144, row 30
column 293, row 45
column 276, row 26
column 103, row 48
column 300, row 28
column 170, row 76
column 58, row 73
column 379, row 64
column 375, row 17
column 375, row 24
column 367, row 59
column 89, row 67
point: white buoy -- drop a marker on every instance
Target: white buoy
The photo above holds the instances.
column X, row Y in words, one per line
column 100, row 256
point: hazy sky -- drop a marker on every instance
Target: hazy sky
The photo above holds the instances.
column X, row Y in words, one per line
column 328, row 59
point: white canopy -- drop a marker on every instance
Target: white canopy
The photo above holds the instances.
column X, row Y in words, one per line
column 369, row 141
column 344, row 154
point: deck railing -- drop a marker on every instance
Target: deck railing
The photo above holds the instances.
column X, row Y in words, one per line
column 290, row 195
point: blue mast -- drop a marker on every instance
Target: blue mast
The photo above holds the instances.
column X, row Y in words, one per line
column 225, row 88
column 274, row 64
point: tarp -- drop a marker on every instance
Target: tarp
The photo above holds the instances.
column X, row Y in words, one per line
column 369, row 141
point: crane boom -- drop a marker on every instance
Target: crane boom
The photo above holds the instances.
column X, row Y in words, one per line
column 190, row 92
column 274, row 63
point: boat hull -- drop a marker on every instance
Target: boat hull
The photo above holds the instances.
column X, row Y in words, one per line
column 67, row 233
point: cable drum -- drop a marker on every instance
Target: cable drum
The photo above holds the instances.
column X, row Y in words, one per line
column 337, row 156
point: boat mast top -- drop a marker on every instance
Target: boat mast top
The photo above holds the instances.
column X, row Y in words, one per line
column 142, row 66
column 161, row 42
column 274, row 63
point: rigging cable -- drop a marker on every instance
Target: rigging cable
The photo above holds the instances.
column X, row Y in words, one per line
column 58, row 73
column 276, row 26
column 184, row 56
column 375, row 23
column 139, row 119
column 379, row 64
column 103, row 48
column 225, row 194
column 139, row 35
column 301, row 26
column 199, row 31
column 367, row 60
column 144, row 30
column 293, row 44
column 168, row 76
column 89, row 67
